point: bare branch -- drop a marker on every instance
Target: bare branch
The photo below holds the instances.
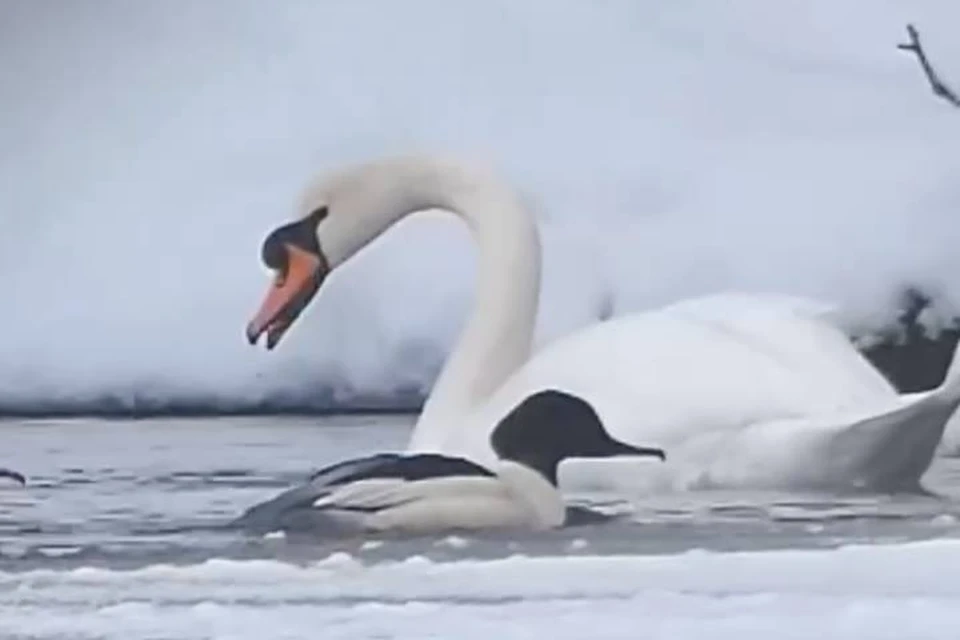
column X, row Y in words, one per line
column 938, row 86
column 606, row 307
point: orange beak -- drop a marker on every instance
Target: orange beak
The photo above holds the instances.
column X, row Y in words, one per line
column 289, row 295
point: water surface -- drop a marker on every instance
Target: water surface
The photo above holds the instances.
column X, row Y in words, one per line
column 133, row 493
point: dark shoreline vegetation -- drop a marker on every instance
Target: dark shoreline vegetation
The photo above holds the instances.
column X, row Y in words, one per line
column 903, row 352
column 318, row 402
column 909, row 358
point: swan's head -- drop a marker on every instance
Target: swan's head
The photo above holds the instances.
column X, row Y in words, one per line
column 340, row 214
column 300, row 266
column 551, row 426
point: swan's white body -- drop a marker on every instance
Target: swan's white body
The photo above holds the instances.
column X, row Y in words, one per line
column 741, row 390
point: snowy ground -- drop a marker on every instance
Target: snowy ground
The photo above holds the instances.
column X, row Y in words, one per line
column 899, row 592
column 676, row 148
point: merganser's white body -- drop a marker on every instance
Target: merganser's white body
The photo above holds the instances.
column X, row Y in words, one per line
column 430, row 493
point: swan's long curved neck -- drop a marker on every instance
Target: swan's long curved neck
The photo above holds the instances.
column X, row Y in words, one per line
column 498, row 334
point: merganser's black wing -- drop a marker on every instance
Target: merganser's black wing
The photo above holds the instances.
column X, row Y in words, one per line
column 264, row 517
column 416, row 466
column 16, row 476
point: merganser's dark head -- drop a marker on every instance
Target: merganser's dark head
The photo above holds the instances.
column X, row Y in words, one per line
column 551, row 426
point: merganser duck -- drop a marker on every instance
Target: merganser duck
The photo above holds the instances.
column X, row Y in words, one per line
column 422, row 493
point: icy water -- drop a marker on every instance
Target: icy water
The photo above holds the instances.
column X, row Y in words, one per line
column 120, row 535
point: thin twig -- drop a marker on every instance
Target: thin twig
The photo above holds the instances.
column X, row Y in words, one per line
column 938, row 86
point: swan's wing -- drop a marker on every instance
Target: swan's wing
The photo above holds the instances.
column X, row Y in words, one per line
column 895, row 447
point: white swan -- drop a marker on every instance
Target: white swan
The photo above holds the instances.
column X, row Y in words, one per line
column 432, row 493
column 742, row 390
